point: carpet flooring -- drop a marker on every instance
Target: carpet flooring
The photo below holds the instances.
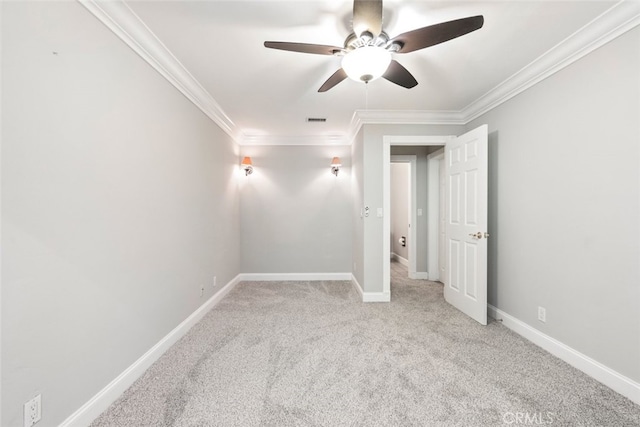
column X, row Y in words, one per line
column 312, row 354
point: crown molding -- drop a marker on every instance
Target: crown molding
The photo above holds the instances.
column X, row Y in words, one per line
column 615, row 21
column 409, row 117
column 119, row 18
column 359, row 118
column 128, row 26
column 405, row 117
column 292, row 140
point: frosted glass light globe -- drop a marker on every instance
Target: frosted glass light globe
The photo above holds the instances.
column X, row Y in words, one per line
column 366, row 63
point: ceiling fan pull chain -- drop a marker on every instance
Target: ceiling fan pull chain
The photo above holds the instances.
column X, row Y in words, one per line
column 366, row 95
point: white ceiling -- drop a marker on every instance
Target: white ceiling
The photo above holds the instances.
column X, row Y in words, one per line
column 269, row 93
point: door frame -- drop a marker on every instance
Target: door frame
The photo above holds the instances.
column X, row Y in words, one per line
column 387, row 142
column 434, row 254
column 412, row 161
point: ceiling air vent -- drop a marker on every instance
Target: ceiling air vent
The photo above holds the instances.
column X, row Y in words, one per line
column 316, row 119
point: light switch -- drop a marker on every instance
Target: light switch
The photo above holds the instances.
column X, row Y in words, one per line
column 379, row 212
column 419, row 212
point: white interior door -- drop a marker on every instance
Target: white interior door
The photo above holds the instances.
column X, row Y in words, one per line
column 466, row 162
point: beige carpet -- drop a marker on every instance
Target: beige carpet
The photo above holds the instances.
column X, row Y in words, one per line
column 312, row 354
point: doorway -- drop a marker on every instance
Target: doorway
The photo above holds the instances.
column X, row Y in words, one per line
column 403, row 237
column 466, row 189
column 388, row 142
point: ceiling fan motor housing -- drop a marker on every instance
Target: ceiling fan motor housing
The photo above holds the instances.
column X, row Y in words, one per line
column 366, row 39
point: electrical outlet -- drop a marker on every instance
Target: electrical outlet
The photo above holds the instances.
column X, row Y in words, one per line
column 33, row 411
column 542, row 314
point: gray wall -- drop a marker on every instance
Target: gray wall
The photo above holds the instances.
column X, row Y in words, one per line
column 564, row 205
column 400, row 184
column 295, row 214
column 119, row 201
column 357, row 205
column 372, row 190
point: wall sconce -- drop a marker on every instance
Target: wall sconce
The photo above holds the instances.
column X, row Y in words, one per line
column 247, row 166
column 335, row 165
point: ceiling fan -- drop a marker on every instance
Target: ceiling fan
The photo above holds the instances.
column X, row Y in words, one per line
column 366, row 54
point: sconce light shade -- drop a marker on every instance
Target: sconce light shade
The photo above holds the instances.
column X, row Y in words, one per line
column 335, row 165
column 247, row 165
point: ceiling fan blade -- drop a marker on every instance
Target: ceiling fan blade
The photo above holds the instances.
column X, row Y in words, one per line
column 367, row 16
column 335, row 78
column 436, row 34
column 317, row 49
column 399, row 75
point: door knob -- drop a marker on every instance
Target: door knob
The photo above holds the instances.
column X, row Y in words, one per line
column 486, row 235
column 477, row 235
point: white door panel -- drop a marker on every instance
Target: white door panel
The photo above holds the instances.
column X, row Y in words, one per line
column 466, row 162
column 442, row 229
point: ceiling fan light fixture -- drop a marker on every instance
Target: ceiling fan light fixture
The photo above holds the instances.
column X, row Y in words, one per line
column 366, row 52
column 366, row 63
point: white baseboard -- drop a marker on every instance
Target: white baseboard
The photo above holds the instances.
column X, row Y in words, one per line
column 105, row 397
column 370, row 296
column 607, row 376
column 356, row 284
column 272, row 277
column 420, row 275
column 401, row 260
column 376, row 297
